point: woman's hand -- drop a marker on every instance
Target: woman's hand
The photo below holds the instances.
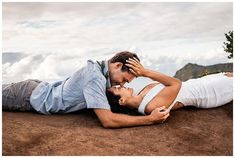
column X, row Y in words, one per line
column 135, row 67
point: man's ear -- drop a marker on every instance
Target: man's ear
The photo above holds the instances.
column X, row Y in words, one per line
column 119, row 65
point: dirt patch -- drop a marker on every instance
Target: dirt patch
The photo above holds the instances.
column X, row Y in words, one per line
column 188, row 131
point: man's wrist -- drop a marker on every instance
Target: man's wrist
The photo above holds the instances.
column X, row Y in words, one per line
column 151, row 120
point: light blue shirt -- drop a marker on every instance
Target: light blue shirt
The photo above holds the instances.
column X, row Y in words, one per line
column 86, row 88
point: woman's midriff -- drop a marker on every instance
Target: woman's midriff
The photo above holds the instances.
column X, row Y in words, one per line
column 178, row 105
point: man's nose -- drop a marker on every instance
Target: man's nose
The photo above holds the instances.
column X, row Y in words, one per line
column 122, row 84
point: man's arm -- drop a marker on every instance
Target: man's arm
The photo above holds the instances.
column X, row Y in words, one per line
column 114, row 120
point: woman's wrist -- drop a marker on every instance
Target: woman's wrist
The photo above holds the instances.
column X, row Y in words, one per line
column 146, row 73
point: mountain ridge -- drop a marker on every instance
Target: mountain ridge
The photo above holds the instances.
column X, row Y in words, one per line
column 192, row 70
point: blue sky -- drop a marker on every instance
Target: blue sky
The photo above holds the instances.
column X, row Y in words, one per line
column 49, row 41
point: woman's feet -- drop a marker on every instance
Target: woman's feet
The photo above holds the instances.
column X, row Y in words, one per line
column 229, row 74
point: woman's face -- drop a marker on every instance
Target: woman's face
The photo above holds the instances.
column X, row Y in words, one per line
column 121, row 91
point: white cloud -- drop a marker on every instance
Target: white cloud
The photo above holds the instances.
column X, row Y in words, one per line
column 166, row 35
column 58, row 66
column 18, row 70
column 55, row 26
column 47, row 67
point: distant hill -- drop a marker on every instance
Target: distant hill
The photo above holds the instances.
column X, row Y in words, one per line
column 194, row 71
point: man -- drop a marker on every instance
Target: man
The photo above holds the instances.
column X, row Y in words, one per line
column 86, row 88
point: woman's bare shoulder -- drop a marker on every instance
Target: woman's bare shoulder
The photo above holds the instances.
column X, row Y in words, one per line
column 147, row 88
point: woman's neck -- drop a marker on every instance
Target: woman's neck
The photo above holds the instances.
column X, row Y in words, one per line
column 134, row 101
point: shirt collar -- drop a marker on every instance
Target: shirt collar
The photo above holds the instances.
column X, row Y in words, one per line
column 105, row 71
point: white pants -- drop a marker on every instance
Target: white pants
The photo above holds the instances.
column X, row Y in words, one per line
column 207, row 92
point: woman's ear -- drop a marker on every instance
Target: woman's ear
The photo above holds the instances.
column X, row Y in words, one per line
column 122, row 101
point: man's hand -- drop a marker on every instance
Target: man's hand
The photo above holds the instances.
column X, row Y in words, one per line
column 159, row 115
column 135, row 67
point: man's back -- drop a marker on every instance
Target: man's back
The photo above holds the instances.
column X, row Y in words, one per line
column 81, row 90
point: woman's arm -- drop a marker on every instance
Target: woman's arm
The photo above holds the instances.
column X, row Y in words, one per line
column 138, row 70
column 167, row 95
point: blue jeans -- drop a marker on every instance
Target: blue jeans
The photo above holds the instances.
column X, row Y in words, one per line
column 16, row 96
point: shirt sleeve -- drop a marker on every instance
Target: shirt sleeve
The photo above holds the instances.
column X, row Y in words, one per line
column 95, row 95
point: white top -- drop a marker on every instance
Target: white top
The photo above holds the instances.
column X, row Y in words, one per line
column 139, row 83
column 206, row 92
column 149, row 96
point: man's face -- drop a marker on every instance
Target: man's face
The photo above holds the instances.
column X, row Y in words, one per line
column 117, row 76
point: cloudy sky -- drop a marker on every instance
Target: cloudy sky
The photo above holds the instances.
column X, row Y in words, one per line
column 50, row 41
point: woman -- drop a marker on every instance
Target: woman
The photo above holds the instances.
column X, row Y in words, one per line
column 206, row 92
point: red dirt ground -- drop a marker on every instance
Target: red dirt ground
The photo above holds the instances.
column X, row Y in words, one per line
column 188, row 131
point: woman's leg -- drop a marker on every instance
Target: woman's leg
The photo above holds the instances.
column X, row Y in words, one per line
column 211, row 91
column 224, row 89
column 177, row 105
column 15, row 96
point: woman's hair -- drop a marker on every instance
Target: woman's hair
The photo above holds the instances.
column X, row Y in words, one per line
column 116, row 107
column 123, row 57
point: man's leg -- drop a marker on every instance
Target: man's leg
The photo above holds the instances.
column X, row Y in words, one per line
column 16, row 96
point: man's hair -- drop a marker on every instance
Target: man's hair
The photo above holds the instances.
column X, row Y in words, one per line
column 116, row 107
column 122, row 57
